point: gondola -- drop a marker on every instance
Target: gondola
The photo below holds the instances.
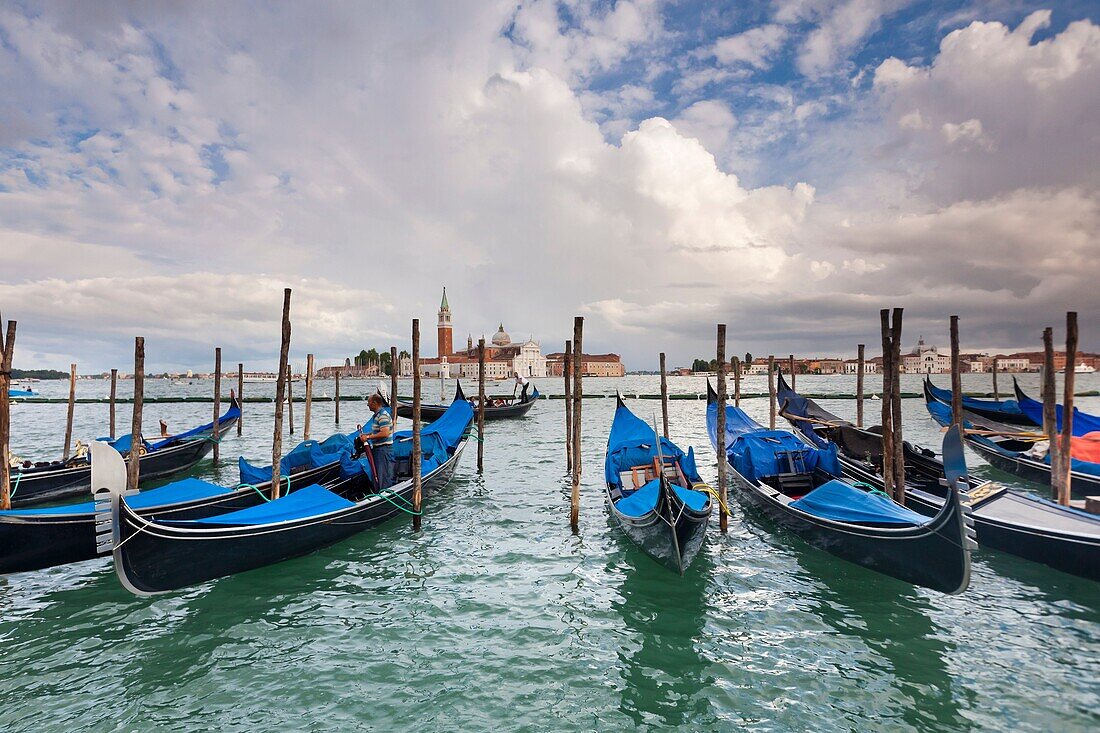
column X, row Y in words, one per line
column 1007, row 412
column 58, row 480
column 654, row 491
column 1018, row 524
column 497, row 407
column 800, row 487
column 157, row 556
column 1083, row 422
column 32, row 539
column 1013, row 455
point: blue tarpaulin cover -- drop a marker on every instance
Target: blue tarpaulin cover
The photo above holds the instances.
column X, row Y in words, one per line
column 176, row 492
column 632, row 442
column 751, row 448
column 842, row 502
column 122, row 443
column 1083, row 422
column 301, row 503
column 1008, row 407
column 643, row 501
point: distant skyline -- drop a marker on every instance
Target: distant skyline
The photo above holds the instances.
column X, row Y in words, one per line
column 784, row 167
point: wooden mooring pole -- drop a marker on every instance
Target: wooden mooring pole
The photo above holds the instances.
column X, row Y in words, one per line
column 336, row 402
column 418, row 498
column 723, row 520
column 771, row 392
column 1050, row 413
column 7, row 350
column 309, row 397
column 1066, row 465
column 280, row 392
column 217, row 400
column 133, row 467
column 290, row 397
column 578, row 391
column 996, row 391
column 567, row 372
column 887, row 403
column 240, row 398
column 895, row 409
column 481, row 405
column 393, row 385
column 69, row 417
column 736, row 381
column 790, row 367
column 664, row 395
column 114, row 395
column 956, row 376
column 859, row 385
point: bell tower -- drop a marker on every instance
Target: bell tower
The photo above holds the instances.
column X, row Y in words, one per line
column 444, row 343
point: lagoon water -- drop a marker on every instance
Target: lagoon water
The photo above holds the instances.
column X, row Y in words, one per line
column 497, row 617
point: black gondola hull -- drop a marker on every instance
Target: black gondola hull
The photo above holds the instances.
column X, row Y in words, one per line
column 34, row 542
column 672, row 543
column 934, row 556
column 48, row 484
column 518, row 408
column 160, row 558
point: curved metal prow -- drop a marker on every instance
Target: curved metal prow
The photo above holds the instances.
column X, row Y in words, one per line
column 108, row 485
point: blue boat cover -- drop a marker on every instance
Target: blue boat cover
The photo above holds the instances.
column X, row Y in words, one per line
column 302, row 503
column 644, row 500
column 1083, row 422
column 1008, row 407
column 308, row 454
column 123, row 442
column 842, row 502
column 751, row 448
column 188, row 489
column 632, row 442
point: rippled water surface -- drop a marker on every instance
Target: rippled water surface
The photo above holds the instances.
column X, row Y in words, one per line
column 496, row 616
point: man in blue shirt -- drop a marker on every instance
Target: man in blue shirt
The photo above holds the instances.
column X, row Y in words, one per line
column 378, row 434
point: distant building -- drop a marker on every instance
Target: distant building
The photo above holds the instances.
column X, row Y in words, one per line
column 503, row 357
column 592, row 365
column 925, row 359
column 851, row 366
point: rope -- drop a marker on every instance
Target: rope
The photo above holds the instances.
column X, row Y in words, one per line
column 395, row 495
column 706, row 489
column 18, row 478
column 255, row 488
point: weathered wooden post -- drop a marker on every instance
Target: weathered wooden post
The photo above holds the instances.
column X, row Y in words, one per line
column 723, row 520
column 1050, row 413
column 309, row 397
column 956, row 375
column 578, row 393
column 133, row 468
column 290, row 397
column 895, row 422
column 114, row 395
column 790, row 367
column 240, row 398
column 996, row 391
column 887, row 403
column 217, row 400
column 664, row 395
column 417, row 495
column 7, row 350
column 1066, row 464
column 69, row 418
column 336, row 402
column 736, row 381
column 393, row 385
column 280, row 392
column 567, row 371
column 859, row 385
column 481, row 405
column 771, row 392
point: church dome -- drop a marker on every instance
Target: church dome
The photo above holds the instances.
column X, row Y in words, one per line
column 500, row 338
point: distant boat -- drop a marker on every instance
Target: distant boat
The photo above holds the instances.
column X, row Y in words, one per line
column 26, row 392
column 1084, row 369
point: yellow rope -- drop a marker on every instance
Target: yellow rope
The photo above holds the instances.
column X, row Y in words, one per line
column 704, row 488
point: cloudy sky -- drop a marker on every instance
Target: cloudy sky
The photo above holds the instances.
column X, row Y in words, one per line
column 785, row 167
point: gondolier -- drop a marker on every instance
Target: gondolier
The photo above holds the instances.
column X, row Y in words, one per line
column 378, row 434
column 521, row 381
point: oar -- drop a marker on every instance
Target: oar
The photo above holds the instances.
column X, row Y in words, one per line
column 815, row 421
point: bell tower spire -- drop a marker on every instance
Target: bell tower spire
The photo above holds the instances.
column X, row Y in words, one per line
column 444, row 343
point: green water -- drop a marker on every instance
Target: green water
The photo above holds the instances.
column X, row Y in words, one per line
column 497, row 617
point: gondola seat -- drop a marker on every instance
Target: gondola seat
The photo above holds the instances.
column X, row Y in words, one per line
column 642, row 501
